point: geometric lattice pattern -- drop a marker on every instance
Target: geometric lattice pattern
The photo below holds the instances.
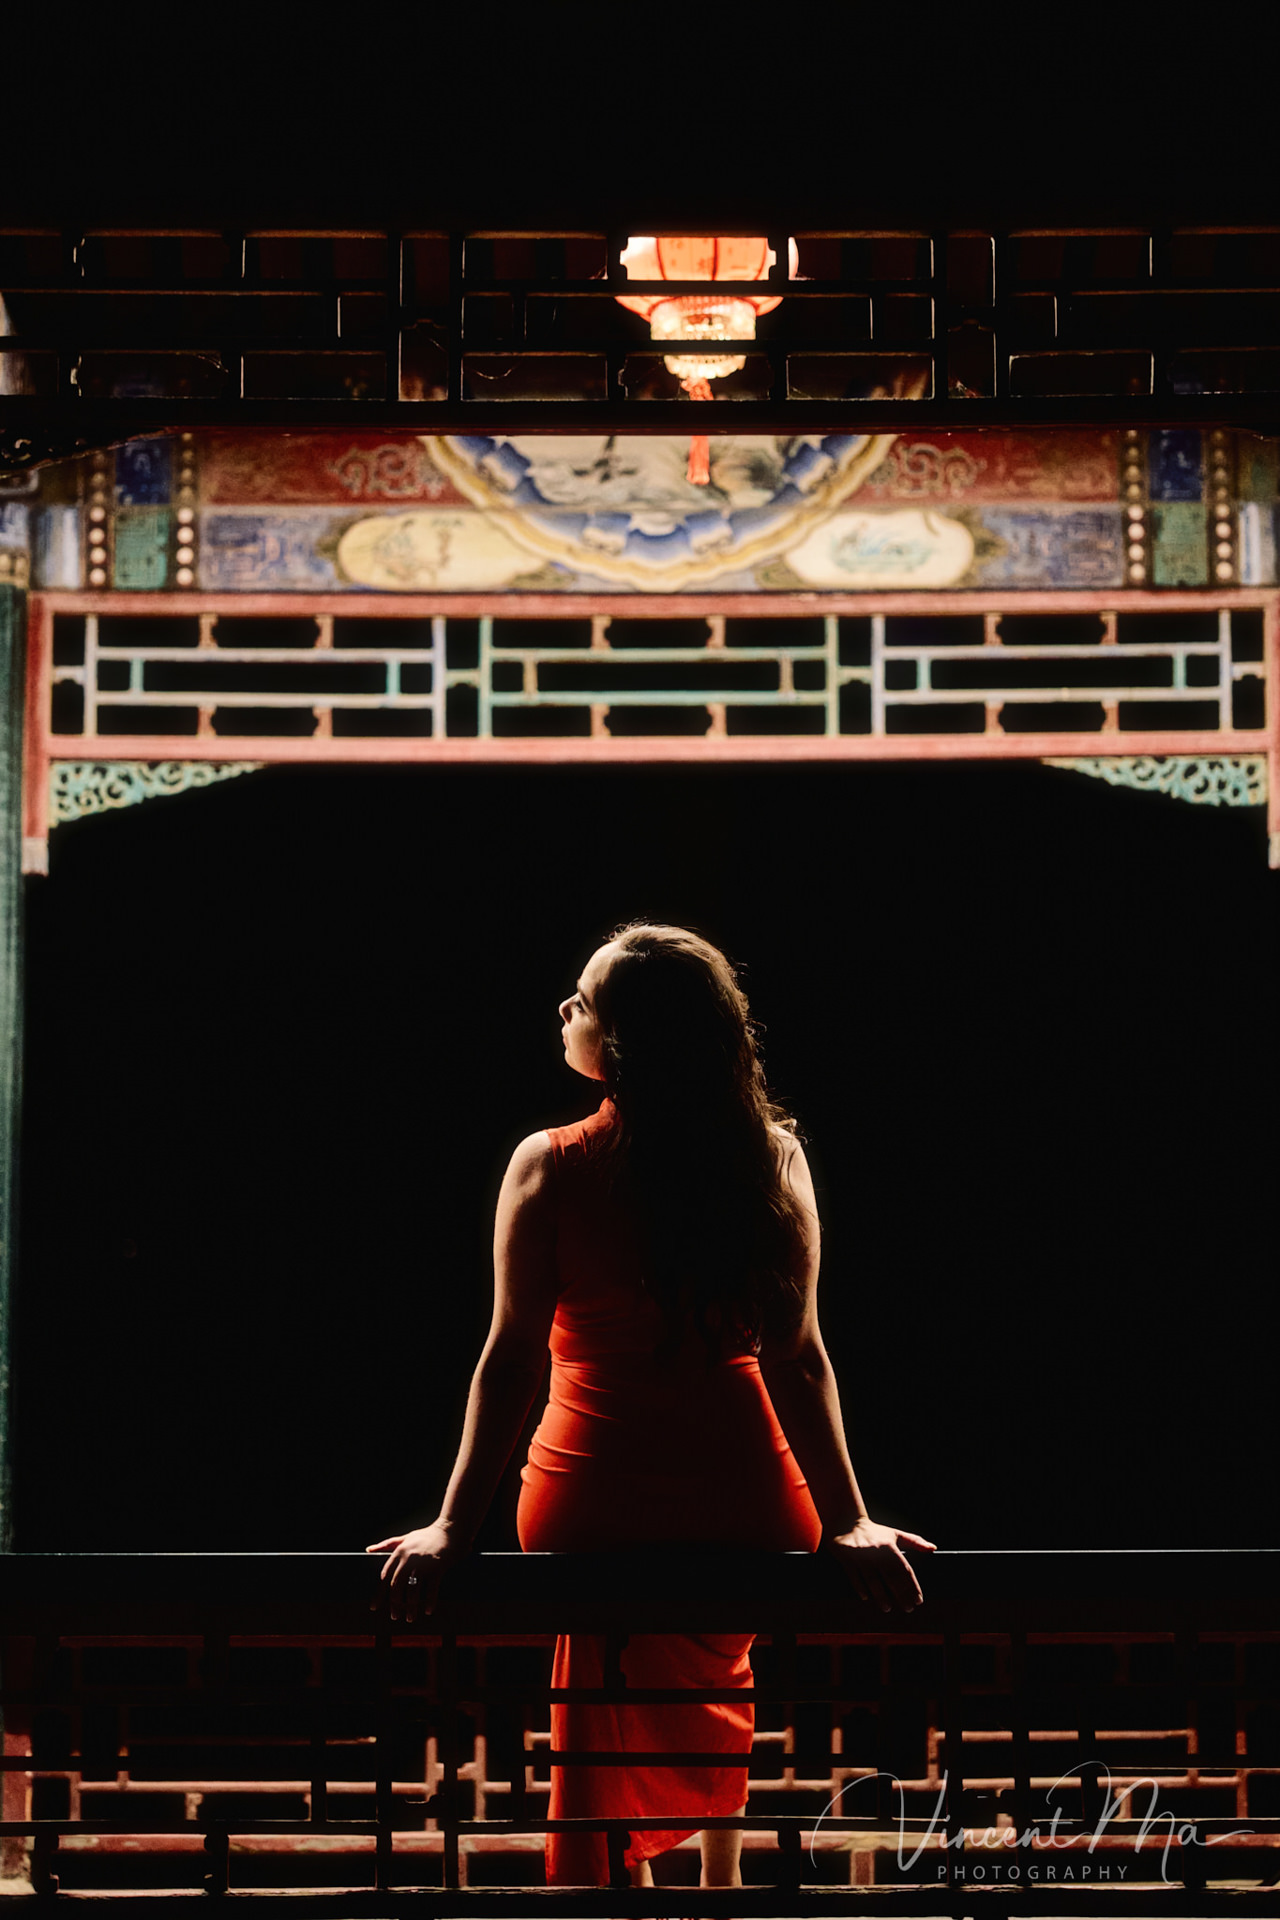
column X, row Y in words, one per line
column 305, row 1760
column 107, row 334
column 170, row 679
column 640, row 672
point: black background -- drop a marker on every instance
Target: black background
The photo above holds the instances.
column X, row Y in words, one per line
column 574, row 112
column 283, row 1033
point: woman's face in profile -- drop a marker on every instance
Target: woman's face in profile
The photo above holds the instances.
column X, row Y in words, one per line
column 581, row 1031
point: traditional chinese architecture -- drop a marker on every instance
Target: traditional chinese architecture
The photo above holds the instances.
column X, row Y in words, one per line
column 408, row 490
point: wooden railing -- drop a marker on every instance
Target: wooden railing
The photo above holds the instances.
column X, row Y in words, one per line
column 1050, row 1730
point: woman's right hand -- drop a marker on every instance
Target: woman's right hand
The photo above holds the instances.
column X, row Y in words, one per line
column 872, row 1557
column 414, row 1566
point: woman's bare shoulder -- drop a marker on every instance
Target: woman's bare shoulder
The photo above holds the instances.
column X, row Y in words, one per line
column 531, row 1163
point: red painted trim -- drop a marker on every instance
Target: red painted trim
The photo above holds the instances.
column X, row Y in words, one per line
column 35, row 720
column 42, row 748
column 656, row 749
column 659, row 606
column 1271, row 643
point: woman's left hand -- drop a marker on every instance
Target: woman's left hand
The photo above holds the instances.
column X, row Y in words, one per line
column 872, row 1557
column 414, row 1566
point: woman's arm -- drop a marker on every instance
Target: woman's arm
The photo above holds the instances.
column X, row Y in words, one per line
column 503, row 1385
column 802, row 1386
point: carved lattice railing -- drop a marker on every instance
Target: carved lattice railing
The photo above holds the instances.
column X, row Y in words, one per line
column 193, row 1724
column 129, row 693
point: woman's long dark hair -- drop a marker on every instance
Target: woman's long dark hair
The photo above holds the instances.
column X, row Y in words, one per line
column 693, row 1150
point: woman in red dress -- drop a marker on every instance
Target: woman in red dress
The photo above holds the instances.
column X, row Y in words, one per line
column 666, row 1250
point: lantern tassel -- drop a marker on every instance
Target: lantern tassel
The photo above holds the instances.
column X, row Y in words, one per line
column 698, row 472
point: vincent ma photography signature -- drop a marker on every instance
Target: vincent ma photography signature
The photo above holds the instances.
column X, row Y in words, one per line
column 1024, row 1850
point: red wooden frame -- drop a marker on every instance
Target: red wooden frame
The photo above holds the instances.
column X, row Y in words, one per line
column 43, row 747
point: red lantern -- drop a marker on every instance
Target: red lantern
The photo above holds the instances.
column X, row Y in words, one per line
column 697, row 316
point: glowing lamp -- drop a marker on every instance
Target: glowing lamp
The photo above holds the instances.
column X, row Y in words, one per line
column 698, row 316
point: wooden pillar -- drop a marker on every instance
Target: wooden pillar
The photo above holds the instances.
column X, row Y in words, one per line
column 12, row 668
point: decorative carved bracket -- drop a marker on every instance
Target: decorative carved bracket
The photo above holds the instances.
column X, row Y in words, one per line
column 1205, row 782
column 80, row 787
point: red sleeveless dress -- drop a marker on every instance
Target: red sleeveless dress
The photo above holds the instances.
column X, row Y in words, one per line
column 634, row 1449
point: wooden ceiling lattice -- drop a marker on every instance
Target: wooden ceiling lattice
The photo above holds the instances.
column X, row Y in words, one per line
column 105, row 335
